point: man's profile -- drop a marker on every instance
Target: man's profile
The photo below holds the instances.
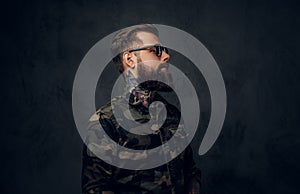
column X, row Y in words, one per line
column 138, row 55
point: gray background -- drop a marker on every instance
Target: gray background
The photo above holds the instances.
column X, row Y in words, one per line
column 255, row 44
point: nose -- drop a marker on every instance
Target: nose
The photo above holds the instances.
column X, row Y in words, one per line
column 165, row 57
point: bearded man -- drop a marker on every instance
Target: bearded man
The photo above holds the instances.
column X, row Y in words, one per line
column 143, row 61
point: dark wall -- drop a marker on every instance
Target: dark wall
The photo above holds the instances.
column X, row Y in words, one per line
column 255, row 43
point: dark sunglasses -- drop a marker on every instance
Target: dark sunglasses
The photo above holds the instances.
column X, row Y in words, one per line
column 157, row 48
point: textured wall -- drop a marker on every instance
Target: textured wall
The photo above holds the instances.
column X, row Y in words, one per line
column 255, row 43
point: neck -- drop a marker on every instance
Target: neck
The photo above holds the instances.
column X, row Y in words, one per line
column 134, row 93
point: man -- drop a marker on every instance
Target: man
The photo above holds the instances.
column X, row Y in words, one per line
column 139, row 56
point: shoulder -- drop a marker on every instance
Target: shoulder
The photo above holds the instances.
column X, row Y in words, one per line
column 105, row 111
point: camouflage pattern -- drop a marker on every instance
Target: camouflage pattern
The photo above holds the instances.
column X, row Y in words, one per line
column 177, row 176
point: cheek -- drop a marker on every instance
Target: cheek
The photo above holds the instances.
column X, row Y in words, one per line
column 153, row 69
column 147, row 56
column 151, row 66
column 147, row 70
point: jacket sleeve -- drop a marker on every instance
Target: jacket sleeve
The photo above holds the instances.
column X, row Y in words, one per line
column 192, row 174
column 96, row 174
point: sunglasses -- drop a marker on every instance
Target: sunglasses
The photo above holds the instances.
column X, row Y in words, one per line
column 157, row 48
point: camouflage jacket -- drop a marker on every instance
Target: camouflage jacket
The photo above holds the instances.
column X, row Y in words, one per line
column 180, row 175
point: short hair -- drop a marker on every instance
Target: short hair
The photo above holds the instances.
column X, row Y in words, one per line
column 126, row 39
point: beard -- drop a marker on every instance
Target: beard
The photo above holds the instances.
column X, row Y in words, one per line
column 155, row 80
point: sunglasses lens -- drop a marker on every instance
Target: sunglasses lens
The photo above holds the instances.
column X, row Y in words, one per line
column 166, row 50
column 157, row 51
column 160, row 49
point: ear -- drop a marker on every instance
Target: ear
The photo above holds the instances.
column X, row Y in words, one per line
column 129, row 60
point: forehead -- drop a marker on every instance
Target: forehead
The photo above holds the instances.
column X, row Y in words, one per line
column 148, row 38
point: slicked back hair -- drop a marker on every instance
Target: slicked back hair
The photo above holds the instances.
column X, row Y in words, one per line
column 126, row 39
